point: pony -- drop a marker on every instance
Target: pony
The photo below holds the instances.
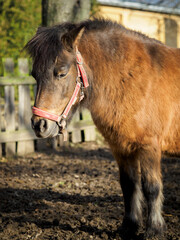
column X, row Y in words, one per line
column 131, row 85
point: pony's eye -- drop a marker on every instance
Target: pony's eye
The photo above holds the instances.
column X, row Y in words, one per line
column 61, row 75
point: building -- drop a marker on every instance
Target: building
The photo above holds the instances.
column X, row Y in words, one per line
column 159, row 19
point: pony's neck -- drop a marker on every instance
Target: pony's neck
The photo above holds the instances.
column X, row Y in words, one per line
column 101, row 57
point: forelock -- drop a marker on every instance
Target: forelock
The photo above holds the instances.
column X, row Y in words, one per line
column 46, row 45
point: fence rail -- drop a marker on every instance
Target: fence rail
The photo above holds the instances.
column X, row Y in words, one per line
column 16, row 98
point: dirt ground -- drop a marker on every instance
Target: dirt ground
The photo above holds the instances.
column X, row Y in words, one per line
column 73, row 194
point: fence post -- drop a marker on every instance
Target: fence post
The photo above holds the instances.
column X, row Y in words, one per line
column 25, row 114
column 10, row 117
column 23, row 67
column 76, row 134
column 8, row 65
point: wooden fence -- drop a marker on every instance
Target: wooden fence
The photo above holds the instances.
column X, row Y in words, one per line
column 16, row 99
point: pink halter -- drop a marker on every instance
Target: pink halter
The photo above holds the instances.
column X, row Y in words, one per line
column 79, row 85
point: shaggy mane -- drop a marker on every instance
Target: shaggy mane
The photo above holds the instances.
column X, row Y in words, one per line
column 46, row 43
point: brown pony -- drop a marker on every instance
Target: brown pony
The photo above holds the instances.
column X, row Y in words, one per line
column 133, row 96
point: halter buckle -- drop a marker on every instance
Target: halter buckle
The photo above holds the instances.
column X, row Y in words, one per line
column 79, row 58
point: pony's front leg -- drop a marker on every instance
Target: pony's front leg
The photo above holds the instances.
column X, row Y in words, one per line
column 152, row 189
column 130, row 180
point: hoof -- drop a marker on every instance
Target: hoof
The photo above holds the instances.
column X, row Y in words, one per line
column 129, row 228
column 155, row 232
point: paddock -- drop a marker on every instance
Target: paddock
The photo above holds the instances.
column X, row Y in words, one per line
column 73, row 194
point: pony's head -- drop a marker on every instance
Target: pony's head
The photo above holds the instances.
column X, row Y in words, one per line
column 55, row 69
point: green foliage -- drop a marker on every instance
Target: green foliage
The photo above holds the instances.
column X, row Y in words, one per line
column 19, row 21
column 94, row 8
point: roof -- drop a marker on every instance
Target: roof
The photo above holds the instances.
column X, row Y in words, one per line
column 162, row 6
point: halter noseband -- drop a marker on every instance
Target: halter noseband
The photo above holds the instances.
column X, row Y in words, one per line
column 80, row 84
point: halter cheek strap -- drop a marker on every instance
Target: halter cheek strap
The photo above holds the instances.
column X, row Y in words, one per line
column 81, row 71
column 60, row 119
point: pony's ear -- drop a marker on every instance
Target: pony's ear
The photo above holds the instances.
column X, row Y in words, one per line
column 71, row 39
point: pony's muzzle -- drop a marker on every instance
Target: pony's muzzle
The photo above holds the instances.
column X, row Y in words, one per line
column 44, row 128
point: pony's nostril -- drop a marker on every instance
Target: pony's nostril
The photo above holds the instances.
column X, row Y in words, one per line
column 43, row 125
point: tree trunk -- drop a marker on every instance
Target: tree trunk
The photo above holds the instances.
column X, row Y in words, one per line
column 58, row 11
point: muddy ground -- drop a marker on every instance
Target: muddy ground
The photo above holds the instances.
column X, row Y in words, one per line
column 73, row 194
